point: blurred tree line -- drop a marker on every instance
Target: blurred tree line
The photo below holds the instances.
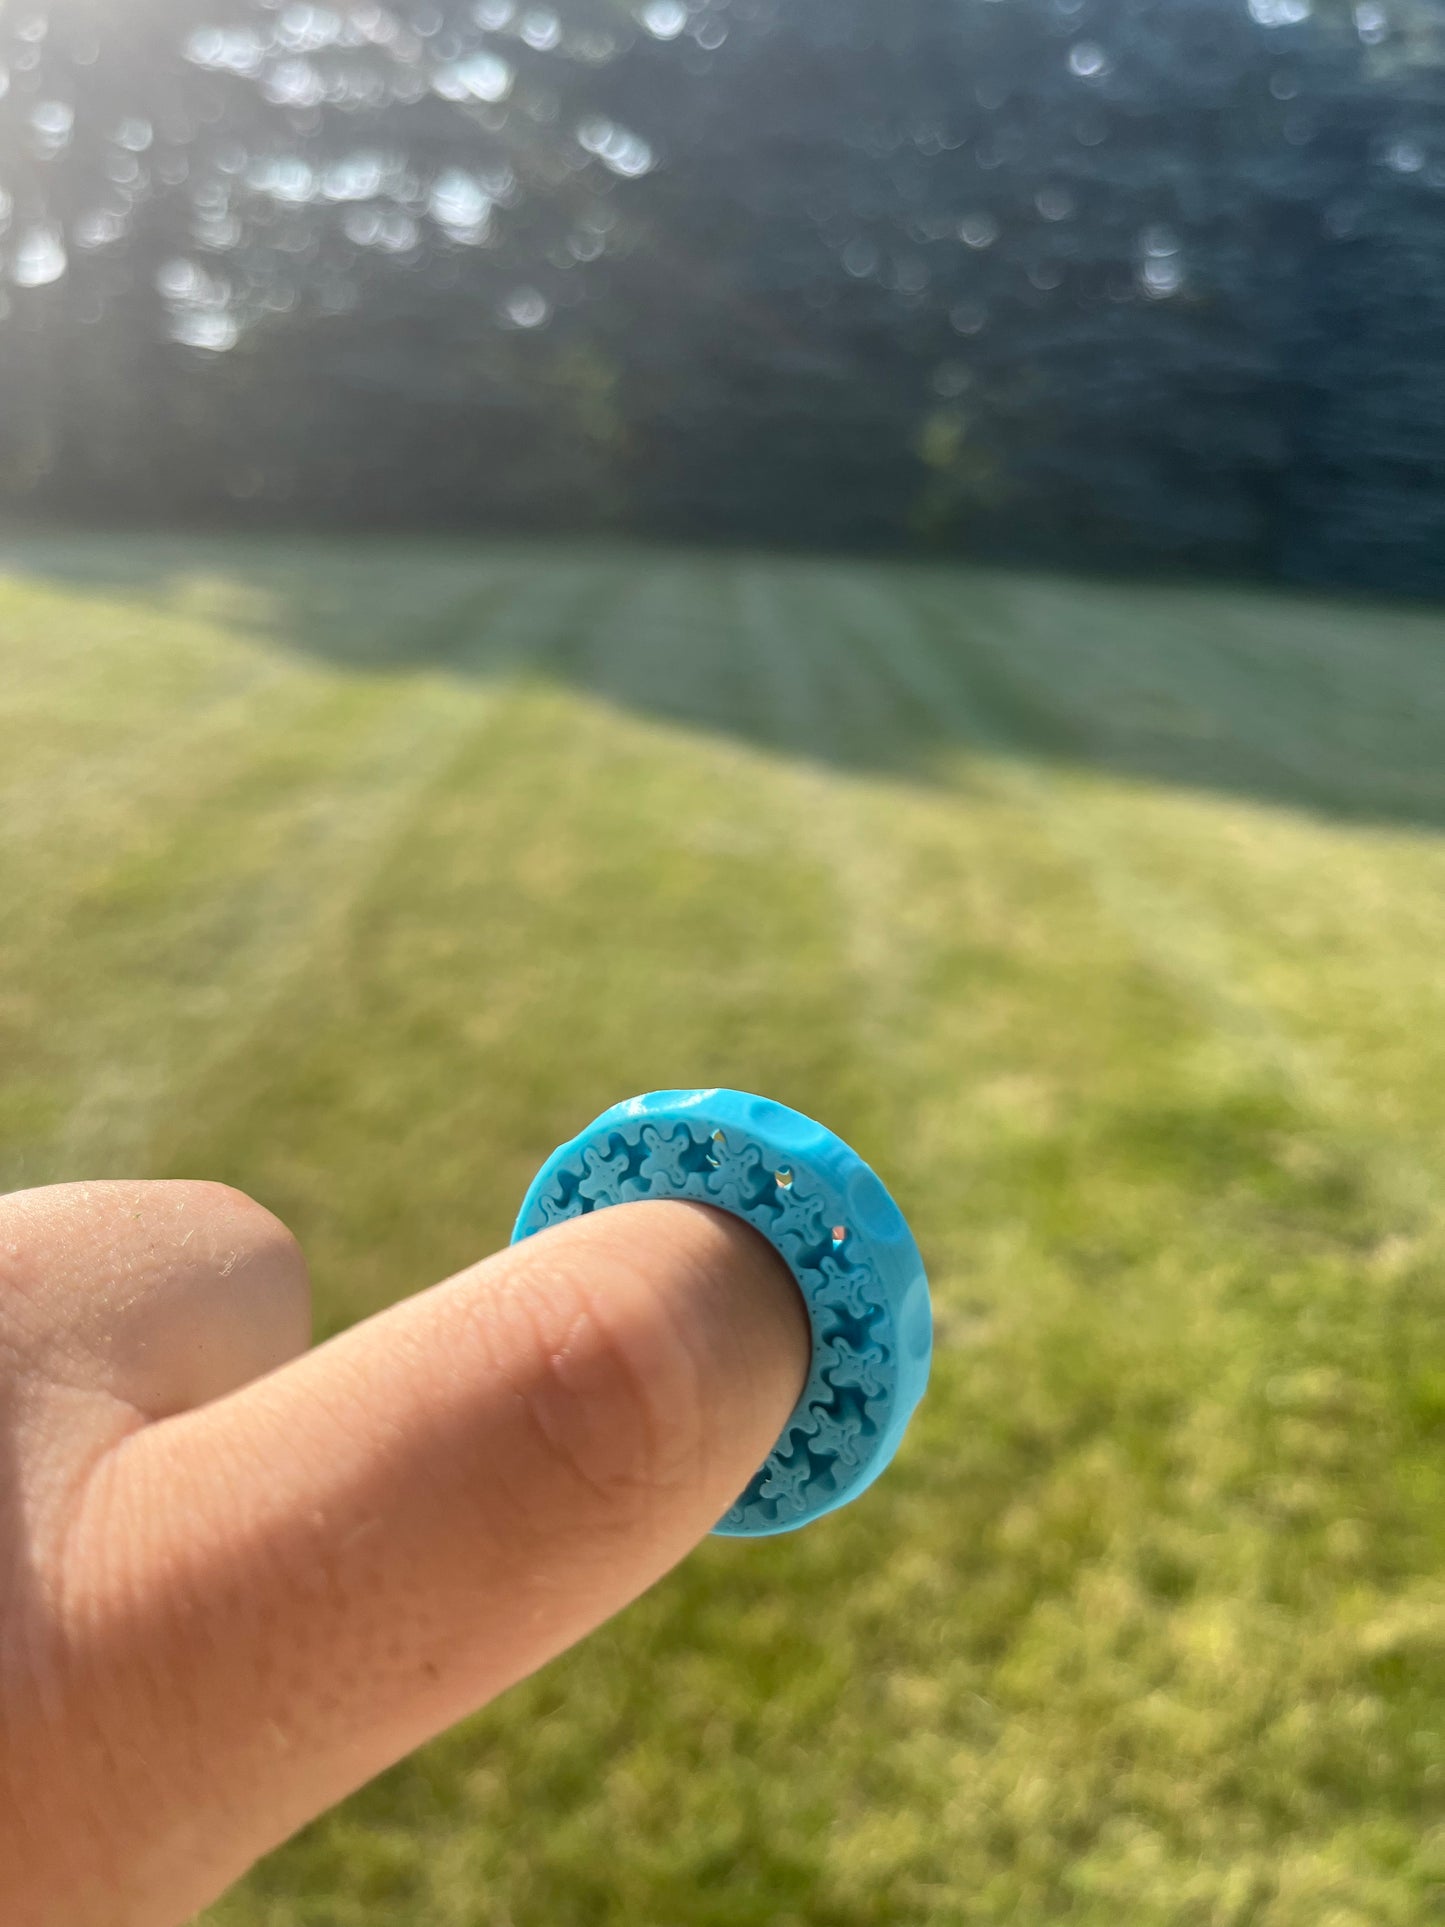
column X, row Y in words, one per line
column 1133, row 282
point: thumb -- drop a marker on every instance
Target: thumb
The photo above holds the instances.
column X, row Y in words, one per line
column 292, row 1586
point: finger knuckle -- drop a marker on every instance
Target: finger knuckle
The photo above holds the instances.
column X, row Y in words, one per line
column 614, row 1396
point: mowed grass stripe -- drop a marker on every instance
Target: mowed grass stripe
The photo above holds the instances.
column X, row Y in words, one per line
column 207, row 914
column 140, row 731
column 1292, row 933
column 173, row 951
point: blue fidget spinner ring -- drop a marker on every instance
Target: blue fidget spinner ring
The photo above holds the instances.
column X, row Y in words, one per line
column 844, row 1239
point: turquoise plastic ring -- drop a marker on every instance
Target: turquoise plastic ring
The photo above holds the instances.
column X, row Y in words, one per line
column 845, row 1240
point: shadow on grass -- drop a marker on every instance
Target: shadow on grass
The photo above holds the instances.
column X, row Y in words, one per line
column 1332, row 706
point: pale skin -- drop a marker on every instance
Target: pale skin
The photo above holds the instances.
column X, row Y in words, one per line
column 238, row 1576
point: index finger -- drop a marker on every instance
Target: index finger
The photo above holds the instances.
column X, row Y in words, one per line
column 326, row 1567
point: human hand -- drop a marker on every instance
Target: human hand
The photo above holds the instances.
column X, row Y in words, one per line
column 238, row 1577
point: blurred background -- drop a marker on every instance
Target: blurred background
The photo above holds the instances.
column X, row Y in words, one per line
column 888, row 552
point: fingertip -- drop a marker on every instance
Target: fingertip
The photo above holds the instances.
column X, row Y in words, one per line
column 247, row 1241
column 163, row 1292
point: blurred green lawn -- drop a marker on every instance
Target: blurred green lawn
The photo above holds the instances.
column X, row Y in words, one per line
column 1107, row 922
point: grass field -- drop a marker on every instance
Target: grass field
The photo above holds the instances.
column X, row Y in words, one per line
column 1109, row 924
